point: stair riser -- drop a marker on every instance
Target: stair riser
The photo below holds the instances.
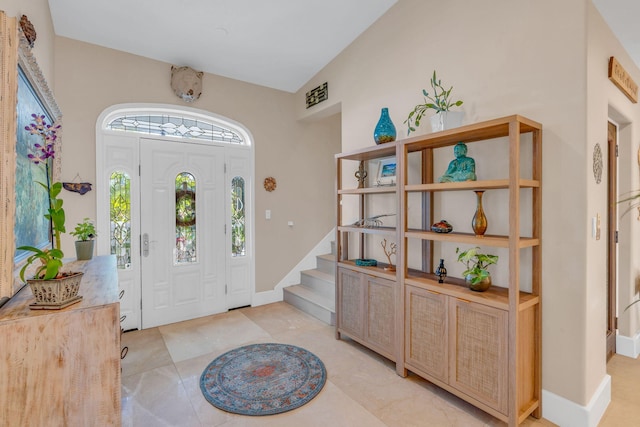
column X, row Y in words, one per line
column 326, row 266
column 310, row 308
column 322, row 287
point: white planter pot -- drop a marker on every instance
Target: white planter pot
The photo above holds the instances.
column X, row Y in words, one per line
column 446, row 120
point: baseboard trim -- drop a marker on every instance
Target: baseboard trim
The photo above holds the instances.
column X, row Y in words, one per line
column 628, row 346
column 267, row 297
column 567, row 413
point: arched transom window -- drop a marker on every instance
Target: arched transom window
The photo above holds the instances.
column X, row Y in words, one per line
column 176, row 126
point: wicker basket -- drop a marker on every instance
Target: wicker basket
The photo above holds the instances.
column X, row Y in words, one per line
column 56, row 293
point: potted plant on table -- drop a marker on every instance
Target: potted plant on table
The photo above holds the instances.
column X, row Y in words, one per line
column 51, row 287
column 440, row 102
column 476, row 275
column 85, row 232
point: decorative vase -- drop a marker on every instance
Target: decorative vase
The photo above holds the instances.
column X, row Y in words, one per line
column 481, row 286
column 55, row 293
column 479, row 221
column 385, row 131
column 446, row 120
column 441, row 271
column 84, row 249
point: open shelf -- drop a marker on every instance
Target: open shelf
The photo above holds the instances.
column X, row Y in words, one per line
column 470, row 238
column 471, row 185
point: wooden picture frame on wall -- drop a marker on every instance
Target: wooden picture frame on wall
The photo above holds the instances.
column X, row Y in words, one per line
column 18, row 68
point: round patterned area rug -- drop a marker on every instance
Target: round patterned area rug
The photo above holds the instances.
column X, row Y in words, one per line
column 263, row 379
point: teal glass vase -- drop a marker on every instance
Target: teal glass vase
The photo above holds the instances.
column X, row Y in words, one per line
column 385, row 131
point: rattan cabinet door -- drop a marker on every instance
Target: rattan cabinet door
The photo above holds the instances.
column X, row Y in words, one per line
column 380, row 309
column 479, row 353
column 426, row 340
column 351, row 299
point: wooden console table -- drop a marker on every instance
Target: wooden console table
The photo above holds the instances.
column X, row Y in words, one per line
column 62, row 367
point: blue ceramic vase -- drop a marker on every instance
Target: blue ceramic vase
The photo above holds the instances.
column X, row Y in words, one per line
column 385, row 131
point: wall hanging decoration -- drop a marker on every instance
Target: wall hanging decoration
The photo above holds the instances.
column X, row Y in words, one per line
column 77, row 186
column 619, row 77
column 385, row 130
column 186, row 83
column 270, row 183
column 317, row 95
column 462, row 168
column 597, row 163
column 28, row 30
column 479, row 221
column 360, row 175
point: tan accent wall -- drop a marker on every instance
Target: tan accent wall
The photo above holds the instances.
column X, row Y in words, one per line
column 299, row 155
column 502, row 58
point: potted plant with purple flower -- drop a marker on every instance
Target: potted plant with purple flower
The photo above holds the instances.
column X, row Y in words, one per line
column 51, row 287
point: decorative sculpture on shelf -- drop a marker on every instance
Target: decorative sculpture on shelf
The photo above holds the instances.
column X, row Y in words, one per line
column 442, row 227
column 462, row 168
column 371, row 222
column 361, row 174
column 441, row 271
column 392, row 251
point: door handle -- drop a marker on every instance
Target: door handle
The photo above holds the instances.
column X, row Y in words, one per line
column 145, row 245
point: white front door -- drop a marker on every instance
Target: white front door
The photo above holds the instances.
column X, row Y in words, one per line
column 183, row 272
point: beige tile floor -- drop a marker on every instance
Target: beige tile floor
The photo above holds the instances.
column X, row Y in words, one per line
column 161, row 373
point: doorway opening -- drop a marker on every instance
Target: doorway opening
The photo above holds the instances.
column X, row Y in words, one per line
column 175, row 193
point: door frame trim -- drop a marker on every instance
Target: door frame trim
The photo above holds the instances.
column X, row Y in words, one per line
column 102, row 217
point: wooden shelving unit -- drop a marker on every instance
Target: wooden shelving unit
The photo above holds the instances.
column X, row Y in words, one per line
column 445, row 332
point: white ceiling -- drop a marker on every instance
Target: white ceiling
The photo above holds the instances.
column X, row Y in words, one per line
column 623, row 17
column 275, row 43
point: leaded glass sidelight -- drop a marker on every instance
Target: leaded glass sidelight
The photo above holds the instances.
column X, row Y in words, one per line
column 120, row 218
column 237, row 217
column 185, row 219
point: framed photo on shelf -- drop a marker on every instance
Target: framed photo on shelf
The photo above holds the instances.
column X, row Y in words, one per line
column 386, row 172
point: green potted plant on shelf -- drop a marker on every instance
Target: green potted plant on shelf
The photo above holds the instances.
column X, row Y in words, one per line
column 85, row 232
column 440, row 101
column 476, row 275
column 51, row 287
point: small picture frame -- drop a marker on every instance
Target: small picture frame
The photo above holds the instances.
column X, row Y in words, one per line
column 386, row 172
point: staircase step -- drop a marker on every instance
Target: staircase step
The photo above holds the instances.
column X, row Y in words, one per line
column 326, row 263
column 319, row 282
column 312, row 303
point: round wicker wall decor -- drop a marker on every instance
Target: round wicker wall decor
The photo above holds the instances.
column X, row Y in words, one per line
column 270, row 183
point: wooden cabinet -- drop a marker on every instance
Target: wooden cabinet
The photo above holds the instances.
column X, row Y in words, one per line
column 62, row 367
column 367, row 310
column 493, row 336
column 481, row 346
column 427, row 333
column 478, row 362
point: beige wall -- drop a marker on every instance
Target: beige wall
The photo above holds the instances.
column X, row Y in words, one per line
column 38, row 13
column 606, row 100
column 299, row 155
column 525, row 57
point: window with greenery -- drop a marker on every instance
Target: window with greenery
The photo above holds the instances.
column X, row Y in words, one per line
column 120, row 218
column 185, row 219
column 237, row 217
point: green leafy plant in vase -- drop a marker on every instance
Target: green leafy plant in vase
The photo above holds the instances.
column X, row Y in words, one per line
column 476, row 275
column 51, row 287
column 85, row 232
column 439, row 100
